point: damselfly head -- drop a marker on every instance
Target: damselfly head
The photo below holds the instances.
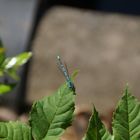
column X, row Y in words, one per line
column 58, row 57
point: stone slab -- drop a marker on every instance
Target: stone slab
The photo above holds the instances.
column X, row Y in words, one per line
column 104, row 47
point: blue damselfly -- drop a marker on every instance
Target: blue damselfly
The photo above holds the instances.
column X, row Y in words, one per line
column 64, row 70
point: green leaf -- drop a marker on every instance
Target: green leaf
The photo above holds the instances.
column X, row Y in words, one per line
column 50, row 116
column 13, row 74
column 12, row 64
column 14, row 131
column 96, row 130
column 126, row 122
column 17, row 61
column 1, row 72
column 4, row 88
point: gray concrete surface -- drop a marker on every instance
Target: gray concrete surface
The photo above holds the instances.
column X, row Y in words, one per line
column 16, row 17
column 104, row 47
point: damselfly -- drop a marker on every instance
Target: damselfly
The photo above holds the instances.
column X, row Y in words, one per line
column 64, row 70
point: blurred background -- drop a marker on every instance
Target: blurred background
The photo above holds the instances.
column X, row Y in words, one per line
column 99, row 37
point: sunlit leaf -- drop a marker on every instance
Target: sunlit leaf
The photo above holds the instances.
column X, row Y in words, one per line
column 50, row 116
column 126, row 122
column 15, row 62
column 12, row 64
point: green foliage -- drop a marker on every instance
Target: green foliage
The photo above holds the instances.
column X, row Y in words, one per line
column 9, row 66
column 49, row 118
column 4, row 88
column 14, row 131
column 126, row 121
column 96, row 130
column 51, row 115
